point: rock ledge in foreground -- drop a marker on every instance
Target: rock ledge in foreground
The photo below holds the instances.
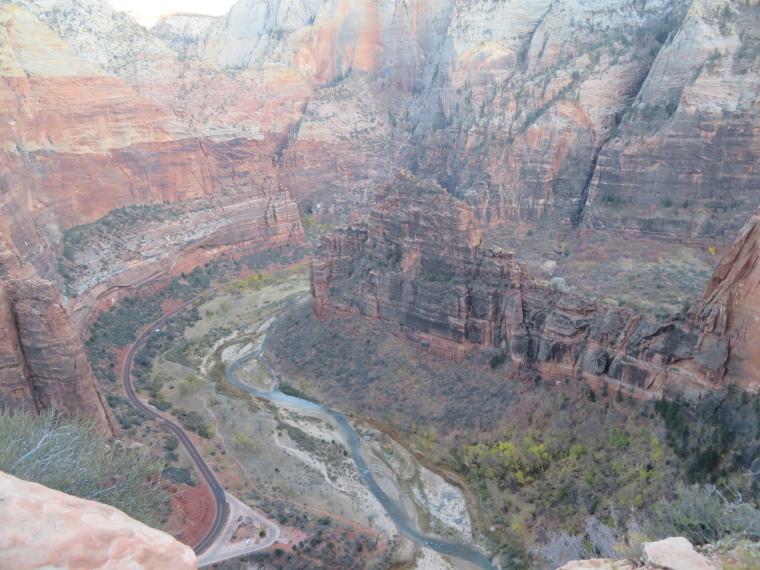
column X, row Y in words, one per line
column 40, row 527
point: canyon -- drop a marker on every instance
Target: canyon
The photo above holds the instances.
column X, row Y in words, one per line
column 492, row 181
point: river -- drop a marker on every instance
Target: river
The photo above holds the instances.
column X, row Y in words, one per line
column 400, row 518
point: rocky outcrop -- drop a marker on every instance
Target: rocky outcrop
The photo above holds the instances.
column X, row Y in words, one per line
column 729, row 307
column 674, row 553
column 420, row 261
column 43, row 528
column 43, row 363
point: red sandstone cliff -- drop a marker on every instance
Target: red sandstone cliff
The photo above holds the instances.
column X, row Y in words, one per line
column 420, row 262
column 524, row 110
column 79, row 143
column 42, row 359
column 729, row 307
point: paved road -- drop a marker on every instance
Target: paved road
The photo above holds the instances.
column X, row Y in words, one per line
column 225, row 549
column 217, row 545
column 222, row 506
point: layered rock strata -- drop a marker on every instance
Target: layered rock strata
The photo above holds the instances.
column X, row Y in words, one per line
column 181, row 236
column 684, row 159
column 79, row 143
column 43, row 363
column 595, row 112
column 420, row 261
column 43, row 528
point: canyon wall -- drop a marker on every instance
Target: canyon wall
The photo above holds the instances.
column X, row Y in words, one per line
column 628, row 117
column 43, row 363
column 633, row 118
column 323, row 39
column 420, row 262
column 683, row 160
column 622, row 116
column 80, row 143
column 579, row 112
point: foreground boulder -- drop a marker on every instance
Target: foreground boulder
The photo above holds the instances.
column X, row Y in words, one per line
column 598, row 564
column 675, row 553
column 40, row 527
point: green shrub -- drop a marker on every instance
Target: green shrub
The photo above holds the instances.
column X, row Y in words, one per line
column 496, row 359
column 194, row 422
column 73, row 456
column 179, row 475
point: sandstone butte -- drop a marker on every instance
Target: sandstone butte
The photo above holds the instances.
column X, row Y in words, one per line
column 43, row 528
column 419, row 261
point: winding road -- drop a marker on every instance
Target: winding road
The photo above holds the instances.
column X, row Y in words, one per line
column 216, row 544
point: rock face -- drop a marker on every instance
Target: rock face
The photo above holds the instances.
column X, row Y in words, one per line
column 691, row 136
column 729, row 307
column 42, row 359
column 631, row 120
column 79, row 143
column 590, row 113
column 41, row 527
column 420, row 262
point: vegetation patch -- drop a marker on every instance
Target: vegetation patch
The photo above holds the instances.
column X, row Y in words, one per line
column 541, row 456
column 73, row 456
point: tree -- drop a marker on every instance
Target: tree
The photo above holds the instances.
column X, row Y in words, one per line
column 244, row 443
column 73, row 456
